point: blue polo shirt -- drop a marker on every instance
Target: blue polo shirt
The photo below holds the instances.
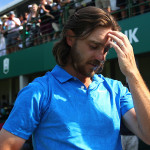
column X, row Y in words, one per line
column 61, row 113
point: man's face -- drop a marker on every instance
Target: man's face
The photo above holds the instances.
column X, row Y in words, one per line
column 88, row 55
column 11, row 16
column 42, row 2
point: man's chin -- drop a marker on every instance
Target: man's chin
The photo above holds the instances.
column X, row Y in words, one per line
column 88, row 72
column 91, row 74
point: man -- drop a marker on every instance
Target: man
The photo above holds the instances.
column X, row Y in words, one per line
column 103, row 4
column 46, row 20
column 71, row 107
column 49, row 2
column 12, row 25
column 2, row 41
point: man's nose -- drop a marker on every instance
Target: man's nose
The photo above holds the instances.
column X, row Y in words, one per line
column 100, row 56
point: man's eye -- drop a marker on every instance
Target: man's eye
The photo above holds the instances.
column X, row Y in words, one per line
column 106, row 49
column 93, row 47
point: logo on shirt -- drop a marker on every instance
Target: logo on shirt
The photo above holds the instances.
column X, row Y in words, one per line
column 102, row 91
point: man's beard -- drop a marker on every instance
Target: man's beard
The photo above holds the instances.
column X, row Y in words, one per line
column 80, row 65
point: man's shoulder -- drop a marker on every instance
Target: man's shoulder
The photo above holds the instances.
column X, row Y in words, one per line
column 107, row 78
column 113, row 85
column 51, row 77
column 44, row 80
column 17, row 19
column 39, row 85
column 110, row 81
column 48, row 7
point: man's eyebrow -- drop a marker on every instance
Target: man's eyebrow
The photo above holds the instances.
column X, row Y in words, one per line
column 96, row 42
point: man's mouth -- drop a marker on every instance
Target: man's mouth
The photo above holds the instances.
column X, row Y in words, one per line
column 95, row 68
column 97, row 65
column 93, row 65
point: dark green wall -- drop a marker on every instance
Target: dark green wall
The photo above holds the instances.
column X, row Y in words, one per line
column 40, row 58
column 137, row 29
column 28, row 61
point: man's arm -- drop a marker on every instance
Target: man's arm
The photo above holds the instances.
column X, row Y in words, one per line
column 137, row 119
column 8, row 141
column 141, row 98
column 16, row 21
column 130, row 121
column 46, row 10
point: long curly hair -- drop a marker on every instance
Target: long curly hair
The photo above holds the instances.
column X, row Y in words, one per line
column 82, row 23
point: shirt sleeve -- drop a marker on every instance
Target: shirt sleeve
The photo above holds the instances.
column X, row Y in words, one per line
column 26, row 113
column 126, row 101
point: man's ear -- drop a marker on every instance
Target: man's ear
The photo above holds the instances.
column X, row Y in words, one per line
column 70, row 37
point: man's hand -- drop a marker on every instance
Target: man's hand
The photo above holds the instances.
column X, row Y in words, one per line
column 124, row 51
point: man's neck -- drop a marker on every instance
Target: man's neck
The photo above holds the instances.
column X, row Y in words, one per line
column 85, row 80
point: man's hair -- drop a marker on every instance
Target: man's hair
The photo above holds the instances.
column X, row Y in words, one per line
column 82, row 23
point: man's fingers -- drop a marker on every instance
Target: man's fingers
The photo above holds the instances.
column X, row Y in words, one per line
column 119, row 41
column 124, row 51
column 120, row 35
column 117, row 48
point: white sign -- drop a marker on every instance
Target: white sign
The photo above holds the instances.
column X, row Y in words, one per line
column 6, row 65
column 131, row 34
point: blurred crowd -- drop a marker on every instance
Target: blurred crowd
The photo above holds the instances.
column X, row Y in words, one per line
column 43, row 22
column 5, row 108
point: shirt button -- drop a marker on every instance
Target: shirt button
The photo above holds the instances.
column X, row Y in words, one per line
column 82, row 87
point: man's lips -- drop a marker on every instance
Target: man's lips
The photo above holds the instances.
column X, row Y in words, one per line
column 94, row 66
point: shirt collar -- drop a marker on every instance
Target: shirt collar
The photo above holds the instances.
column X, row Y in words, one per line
column 60, row 74
column 98, row 78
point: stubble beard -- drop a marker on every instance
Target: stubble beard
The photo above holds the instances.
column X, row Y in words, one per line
column 81, row 66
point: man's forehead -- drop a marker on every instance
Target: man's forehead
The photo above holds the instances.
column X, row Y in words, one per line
column 98, row 41
column 99, row 36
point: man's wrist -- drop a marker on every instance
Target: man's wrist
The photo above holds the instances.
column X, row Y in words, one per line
column 133, row 76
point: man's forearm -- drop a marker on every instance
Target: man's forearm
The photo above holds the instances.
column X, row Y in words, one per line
column 8, row 141
column 141, row 98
